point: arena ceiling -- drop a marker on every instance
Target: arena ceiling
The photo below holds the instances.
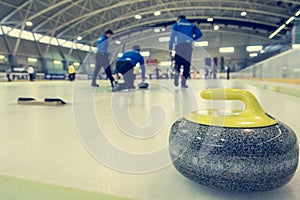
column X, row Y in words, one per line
column 68, row 19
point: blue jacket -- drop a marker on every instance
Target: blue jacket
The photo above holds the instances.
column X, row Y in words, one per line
column 185, row 32
column 102, row 44
column 134, row 57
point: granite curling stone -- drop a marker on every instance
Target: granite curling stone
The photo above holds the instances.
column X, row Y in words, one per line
column 244, row 151
column 143, row 85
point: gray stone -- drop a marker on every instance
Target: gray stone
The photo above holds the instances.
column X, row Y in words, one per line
column 234, row 159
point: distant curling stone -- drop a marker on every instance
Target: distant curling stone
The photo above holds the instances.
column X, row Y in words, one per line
column 143, row 85
column 46, row 102
column 246, row 151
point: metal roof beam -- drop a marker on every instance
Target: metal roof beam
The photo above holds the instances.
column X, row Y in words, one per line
column 38, row 26
column 18, row 8
column 82, row 18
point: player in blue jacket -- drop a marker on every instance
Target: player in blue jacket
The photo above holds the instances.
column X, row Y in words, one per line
column 125, row 66
column 102, row 58
column 185, row 34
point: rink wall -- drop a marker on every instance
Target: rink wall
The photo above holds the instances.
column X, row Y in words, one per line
column 283, row 67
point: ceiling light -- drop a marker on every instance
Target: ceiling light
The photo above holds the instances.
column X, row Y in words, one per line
column 33, row 60
column 226, row 50
column 165, row 63
column 79, row 38
column 57, row 62
column 118, row 42
column 2, row 57
column 201, row 44
column 138, row 17
column 254, row 48
column 243, row 13
column 145, row 53
column 76, row 64
column 296, row 70
column 289, row 20
column 277, row 31
column 253, row 54
column 164, row 39
column 297, row 13
column 157, row 13
column 210, row 19
column 216, row 27
column 29, row 23
column 295, row 46
column 156, row 30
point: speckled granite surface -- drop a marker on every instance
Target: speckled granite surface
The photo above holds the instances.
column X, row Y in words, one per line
column 234, row 159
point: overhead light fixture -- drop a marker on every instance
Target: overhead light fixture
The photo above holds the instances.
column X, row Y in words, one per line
column 2, row 57
column 164, row 39
column 284, row 25
column 166, row 63
column 157, row 13
column 254, row 48
column 118, row 42
column 253, row 54
column 138, row 16
column 120, row 55
column 145, row 53
column 216, row 27
column 33, row 60
column 201, row 44
column 289, row 20
column 277, row 31
column 57, row 62
column 156, row 30
column 29, row 23
column 92, row 65
column 295, row 46
column 79, row 38
column 243, row 13
column 226, row 49
column 76, row 64
column 210, row 19
column 262, row 51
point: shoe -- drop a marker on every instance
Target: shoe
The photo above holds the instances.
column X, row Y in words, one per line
column 95, row 85
column 116, row 87
column 183, row 83
column 176, row 77
column 184, row 86
column 113, row 83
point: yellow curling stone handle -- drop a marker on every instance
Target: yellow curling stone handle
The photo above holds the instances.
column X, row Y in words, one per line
column 252, row 116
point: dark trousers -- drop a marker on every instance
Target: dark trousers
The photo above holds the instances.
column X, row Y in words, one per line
column 183, row 58
column 102, row 61
column 72, row 77
column 31, row 77
column 126, row 69
column 8, row 77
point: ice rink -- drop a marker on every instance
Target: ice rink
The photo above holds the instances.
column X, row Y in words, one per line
column 57, row 150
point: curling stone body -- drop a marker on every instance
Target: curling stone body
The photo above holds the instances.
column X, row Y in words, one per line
column 239, row 152
column 143, row 85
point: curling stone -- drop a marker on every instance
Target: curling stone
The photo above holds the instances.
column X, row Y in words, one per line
column 143, row 85
column 243, row 150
